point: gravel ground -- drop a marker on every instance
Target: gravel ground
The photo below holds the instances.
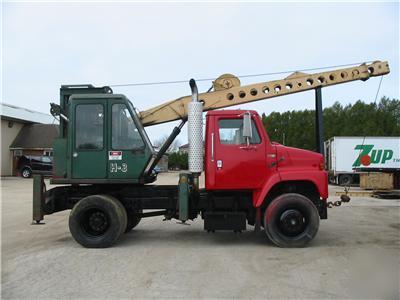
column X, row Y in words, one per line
column 356, row 254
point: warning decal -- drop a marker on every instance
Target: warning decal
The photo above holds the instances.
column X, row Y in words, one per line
column 114, row 155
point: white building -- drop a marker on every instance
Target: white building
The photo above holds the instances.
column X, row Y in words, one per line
column 13, row 119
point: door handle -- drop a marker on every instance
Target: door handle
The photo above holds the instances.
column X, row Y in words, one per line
column 248, row 148
column 212, row 146
column 75, row 154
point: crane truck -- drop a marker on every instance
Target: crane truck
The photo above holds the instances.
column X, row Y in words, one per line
column 103, row 162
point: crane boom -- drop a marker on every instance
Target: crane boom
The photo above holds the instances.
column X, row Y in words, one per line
column 228, row 92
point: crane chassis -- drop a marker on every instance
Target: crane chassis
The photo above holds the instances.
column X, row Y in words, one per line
column 104, row 161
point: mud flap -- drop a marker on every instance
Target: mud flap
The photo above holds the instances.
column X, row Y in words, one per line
column 38, row 199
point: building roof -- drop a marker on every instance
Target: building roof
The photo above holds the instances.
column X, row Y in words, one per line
column 24, row 115
column 35, row 136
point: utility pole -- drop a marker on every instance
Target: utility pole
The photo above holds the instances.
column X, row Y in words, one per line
column 319, row 121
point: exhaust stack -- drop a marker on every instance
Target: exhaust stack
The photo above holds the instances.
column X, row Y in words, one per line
column 195, row 131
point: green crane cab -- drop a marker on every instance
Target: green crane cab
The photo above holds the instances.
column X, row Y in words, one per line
column 107, row 142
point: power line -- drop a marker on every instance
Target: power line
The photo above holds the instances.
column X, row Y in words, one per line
column 241, row 76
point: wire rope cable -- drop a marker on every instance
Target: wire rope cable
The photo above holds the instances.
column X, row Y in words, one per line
column 240, row 76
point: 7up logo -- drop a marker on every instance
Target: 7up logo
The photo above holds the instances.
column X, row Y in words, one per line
column 368, row 156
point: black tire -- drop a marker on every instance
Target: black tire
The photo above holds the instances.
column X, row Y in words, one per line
column 292, row 220
column 26, row 172
column 345, row 179
column 97, row 221
column 133, row 220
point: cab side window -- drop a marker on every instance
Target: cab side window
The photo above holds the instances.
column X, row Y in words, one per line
column 125, row 135
column 231, row 132
column 89, row 128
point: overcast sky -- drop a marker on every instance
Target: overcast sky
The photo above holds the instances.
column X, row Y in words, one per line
column 45, row 45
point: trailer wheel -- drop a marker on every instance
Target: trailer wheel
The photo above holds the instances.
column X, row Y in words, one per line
column 292, row 220
column 97, row 221
column 133, row 220
column 345, row 179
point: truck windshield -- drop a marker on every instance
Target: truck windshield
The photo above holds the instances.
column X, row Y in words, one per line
column 137, row 120
column 125, row 135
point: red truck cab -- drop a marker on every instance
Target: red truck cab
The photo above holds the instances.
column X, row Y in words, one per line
column 231, row 164
column 265, row 168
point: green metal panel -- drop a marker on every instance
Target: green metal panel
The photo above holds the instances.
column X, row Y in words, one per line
column 60, row 158
column 184, row 196
column 131, row 165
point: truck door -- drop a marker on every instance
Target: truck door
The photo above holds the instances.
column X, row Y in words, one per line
column 236, row 164
column 88, row 141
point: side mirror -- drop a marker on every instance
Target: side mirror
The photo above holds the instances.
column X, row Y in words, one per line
column 247, row 130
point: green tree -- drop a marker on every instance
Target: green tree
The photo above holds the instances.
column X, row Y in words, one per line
column 178, row 160
column 297, row 128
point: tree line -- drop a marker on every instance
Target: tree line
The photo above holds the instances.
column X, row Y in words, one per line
column 297, row 128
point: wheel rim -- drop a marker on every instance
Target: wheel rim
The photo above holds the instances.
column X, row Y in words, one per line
column 292, row 222
column 25, row 173
column 95, row 222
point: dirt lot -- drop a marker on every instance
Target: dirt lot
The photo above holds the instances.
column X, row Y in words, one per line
column 356, row 254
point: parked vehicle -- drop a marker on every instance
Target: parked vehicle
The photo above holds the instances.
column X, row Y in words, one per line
column 348, row 157
column 157, row 169
column 29, row 164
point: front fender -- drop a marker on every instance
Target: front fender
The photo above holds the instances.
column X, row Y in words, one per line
column 260, row 194
column 318, row 178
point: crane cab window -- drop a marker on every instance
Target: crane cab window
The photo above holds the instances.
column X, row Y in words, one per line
column 125, row 135
column 231, row 132
column 89, row 128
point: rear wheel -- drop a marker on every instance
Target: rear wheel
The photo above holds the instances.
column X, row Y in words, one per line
column 292, row 220
column 97, row 221
column 26, row 172
column 345, row 179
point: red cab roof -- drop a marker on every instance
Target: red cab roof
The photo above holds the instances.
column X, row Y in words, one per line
column 223, row 112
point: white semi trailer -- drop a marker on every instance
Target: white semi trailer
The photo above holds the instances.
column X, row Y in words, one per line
column 347, row 157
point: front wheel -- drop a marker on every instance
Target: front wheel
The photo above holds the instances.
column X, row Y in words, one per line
column 97, row 221
column 292, row 220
